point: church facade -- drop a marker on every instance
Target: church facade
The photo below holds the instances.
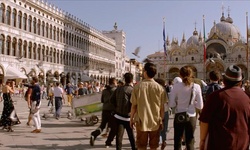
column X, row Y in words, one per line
column 223, row 47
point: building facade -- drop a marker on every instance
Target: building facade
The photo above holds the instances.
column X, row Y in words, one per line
column 39, row 39
column 224, row 46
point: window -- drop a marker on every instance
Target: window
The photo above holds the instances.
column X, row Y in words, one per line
column 1, row 44
column 8, row 16
column 39, row 52
column 38, row 27
column 25, row 22
column 20, row 48
column 43, row 28
column 47, row 30
column 34, row 52
column 14, row 17
column 192, row 58
column 20, row 20
column 8, row 44
column 25, row 49
column 29, row 23
column 29, row 50
column 176, row 59
column 51, row 32
column 34, row 25
column 14, row 44
column 2, row 11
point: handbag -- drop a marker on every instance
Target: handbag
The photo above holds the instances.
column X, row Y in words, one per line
column 183, row 116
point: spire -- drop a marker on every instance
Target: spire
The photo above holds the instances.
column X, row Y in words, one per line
column 222, row 17
column 167, row 41
column 215, row 27
column 183, row 37
column 200, row 37
column 229, row 19
column 115, row 26
column 195, row 32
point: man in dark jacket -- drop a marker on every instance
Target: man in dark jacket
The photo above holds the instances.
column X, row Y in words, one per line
column 107, row 114
column 121, row 101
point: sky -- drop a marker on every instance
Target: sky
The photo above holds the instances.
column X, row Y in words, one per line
column 142, row 20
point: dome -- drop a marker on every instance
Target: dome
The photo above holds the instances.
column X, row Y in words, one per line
column 193, row 40
column 226, row 30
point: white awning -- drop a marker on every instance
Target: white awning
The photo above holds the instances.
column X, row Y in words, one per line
column 13, row 73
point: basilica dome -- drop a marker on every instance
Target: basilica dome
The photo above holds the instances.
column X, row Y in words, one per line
column 194, row 39
column 226, row 30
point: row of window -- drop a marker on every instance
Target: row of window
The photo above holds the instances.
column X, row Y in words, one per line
column 41, row 28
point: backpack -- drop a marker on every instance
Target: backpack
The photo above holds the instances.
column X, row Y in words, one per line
column 211, row 88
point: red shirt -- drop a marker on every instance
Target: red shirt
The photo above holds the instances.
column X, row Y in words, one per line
column 227, row 111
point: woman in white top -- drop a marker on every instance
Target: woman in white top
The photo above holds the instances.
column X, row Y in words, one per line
column 185, row 97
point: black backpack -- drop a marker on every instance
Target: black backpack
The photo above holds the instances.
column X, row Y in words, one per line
column 211, row 88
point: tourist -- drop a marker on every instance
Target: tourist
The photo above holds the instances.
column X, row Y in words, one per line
column 107, row 114
column 58, row 94
column 225, row 117
column 121, row 100
column 166, row 114
column 9, row 116
column 185, row 97
column 214, row 77
column 69, row 91
column 36, row 104
column 147, row 110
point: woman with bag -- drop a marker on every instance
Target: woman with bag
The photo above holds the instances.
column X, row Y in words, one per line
column 9, row 116
column 185, row 97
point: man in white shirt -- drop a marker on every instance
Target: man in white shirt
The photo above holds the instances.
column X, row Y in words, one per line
column 58, row 93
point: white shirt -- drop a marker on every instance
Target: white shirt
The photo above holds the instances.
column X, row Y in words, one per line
column 58, row 91
column 180, row 96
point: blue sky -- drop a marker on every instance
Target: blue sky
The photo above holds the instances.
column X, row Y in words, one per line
column 142, row 20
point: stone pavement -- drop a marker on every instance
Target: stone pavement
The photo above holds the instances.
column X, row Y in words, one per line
column 62, row 134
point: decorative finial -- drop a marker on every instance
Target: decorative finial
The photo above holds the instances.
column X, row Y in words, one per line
column 228, row 10
column 115, row 26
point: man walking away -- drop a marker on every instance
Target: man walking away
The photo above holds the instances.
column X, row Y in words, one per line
column 225, row 117
column 147, row 111
column 58, row 93
column 36, row 104
column 69, row 91
column 121, row 101
column 107, row 114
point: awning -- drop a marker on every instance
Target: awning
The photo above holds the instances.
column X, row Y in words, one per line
column 13, row 73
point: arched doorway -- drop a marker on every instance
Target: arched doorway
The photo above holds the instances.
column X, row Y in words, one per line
column 173, row 72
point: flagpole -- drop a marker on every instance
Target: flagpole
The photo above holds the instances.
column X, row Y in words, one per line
column 204, row 53
column 247, row 46
column 164, row 47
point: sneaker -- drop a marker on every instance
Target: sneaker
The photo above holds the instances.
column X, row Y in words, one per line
column 108, row 145
column 92, row 140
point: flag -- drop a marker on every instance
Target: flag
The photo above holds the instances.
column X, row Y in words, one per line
column 204, row 36
column 164, row 38
column 247, row 33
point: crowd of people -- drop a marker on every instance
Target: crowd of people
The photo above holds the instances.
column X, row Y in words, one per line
column 33, row 93
column 221, row 106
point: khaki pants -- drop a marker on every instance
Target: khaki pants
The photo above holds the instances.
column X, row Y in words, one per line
column 69, row 96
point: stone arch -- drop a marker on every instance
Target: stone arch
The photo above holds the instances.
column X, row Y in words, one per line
column 174, row 72
column 216, row 50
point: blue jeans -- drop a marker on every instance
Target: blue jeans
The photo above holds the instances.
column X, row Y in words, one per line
column 58, row 106
column 165, row 127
